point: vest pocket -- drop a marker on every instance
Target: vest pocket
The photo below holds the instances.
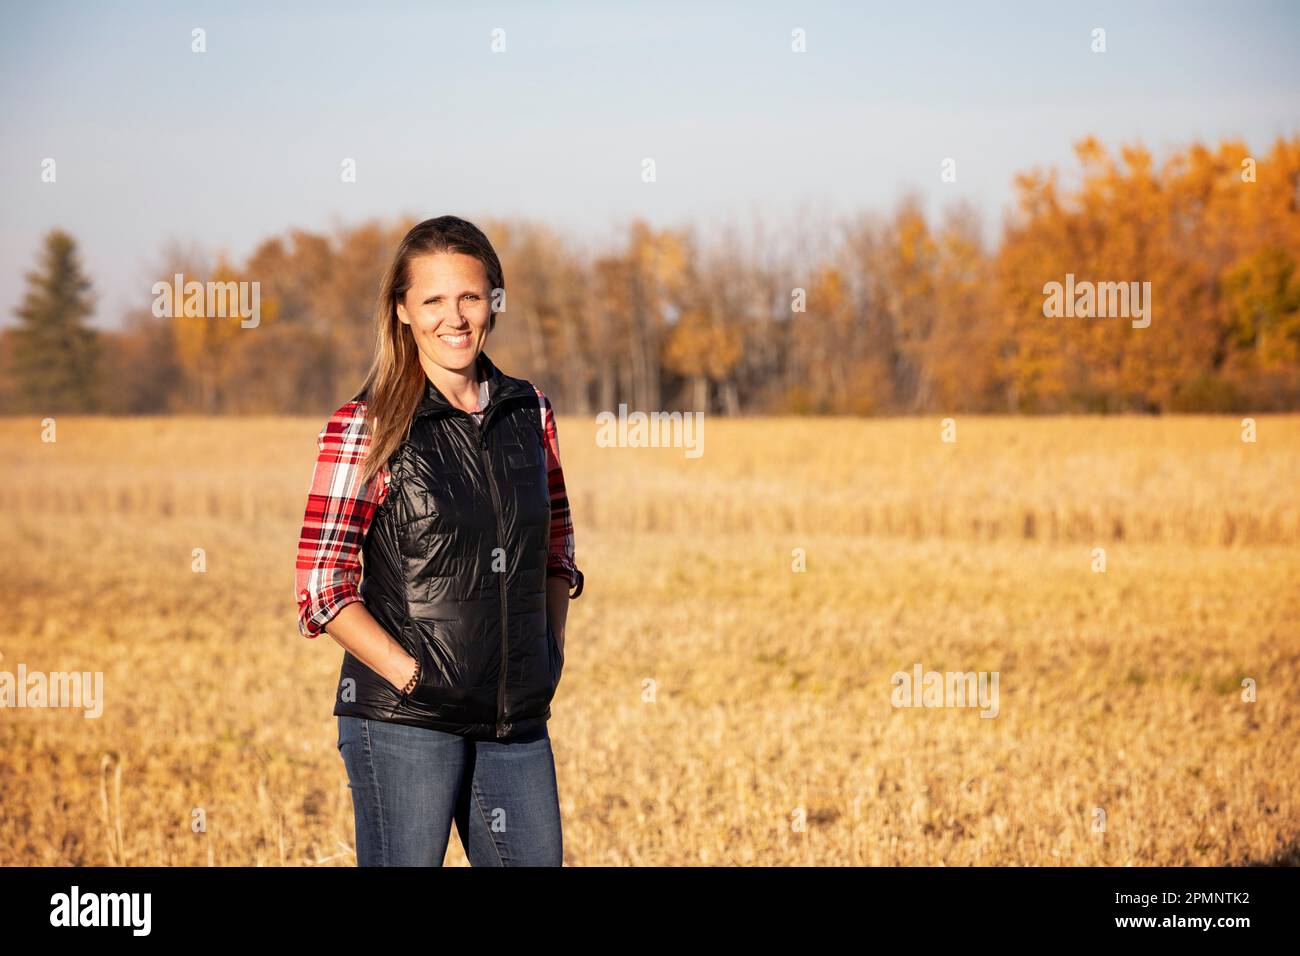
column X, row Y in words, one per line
column 361, row 684
column 445, row 668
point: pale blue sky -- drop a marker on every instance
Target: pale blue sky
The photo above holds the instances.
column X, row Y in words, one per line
column 225, row 148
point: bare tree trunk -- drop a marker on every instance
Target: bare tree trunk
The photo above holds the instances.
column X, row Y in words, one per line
column 730, row 398
column 700, row 388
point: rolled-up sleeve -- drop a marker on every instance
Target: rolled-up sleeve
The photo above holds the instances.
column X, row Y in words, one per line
column 561, row 555
column 339, row 510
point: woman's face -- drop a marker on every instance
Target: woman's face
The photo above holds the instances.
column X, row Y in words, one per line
column 448, row 307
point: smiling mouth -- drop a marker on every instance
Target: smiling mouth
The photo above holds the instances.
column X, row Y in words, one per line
column 456, row 341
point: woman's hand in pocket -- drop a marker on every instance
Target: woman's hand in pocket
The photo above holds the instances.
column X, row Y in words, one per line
column 557, row 607
column 405, row 670
column 357, row 632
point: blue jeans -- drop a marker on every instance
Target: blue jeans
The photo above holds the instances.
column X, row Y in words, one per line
column 409, row 783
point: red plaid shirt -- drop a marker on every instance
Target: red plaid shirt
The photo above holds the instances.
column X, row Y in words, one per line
column 339, row 511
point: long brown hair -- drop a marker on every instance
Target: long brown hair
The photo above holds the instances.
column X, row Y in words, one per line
column 395, row 383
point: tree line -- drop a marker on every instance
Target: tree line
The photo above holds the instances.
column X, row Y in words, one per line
column 893, row 313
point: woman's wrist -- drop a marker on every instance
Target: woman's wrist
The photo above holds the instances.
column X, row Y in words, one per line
column 409, row 675
column 414, row 671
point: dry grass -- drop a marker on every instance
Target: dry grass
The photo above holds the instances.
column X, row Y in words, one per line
column 771, row 689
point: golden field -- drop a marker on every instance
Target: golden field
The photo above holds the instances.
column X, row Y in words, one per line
column 716, row 706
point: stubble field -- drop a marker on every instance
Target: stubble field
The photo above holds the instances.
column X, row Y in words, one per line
column 717, row 705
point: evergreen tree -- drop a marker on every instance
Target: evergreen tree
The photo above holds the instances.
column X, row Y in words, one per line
column 55, row 354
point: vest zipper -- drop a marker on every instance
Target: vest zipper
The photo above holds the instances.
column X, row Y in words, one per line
column 503, row 728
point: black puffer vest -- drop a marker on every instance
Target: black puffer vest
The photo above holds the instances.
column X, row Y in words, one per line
column 455, row 569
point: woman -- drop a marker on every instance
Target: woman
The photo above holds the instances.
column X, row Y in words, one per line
column 442, row 475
